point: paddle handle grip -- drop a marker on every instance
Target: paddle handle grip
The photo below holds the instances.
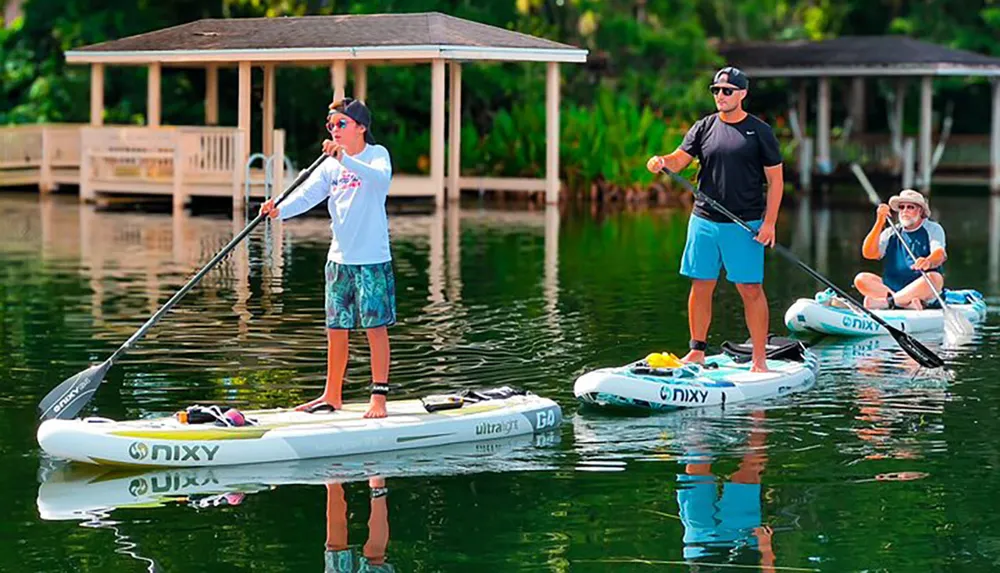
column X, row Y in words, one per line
column 214, row 261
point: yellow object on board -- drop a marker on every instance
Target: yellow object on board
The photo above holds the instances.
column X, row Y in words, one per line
column 663, row 360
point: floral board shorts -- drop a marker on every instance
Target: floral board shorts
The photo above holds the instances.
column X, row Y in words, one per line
column 348, row 561
column 360, row 296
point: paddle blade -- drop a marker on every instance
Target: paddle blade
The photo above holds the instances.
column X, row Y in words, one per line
column 67, row 399
column 956, row 325
column 917, row 351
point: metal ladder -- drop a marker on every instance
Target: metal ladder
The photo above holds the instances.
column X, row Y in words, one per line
column 268, row 161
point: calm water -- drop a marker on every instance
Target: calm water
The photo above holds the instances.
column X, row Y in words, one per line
column 878, row 468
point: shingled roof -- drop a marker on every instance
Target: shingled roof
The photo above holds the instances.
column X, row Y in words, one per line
column 857, row 56
column 375, row 36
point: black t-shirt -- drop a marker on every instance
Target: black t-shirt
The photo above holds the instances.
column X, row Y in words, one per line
column 733, row 157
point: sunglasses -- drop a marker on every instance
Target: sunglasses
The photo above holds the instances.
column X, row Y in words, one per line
column 339, row 124
column 725, row 91
column 909, row 207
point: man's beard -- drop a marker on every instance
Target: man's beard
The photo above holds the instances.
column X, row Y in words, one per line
column 908, row 221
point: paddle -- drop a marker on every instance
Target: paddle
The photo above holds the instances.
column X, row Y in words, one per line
column 69, row 397
column 910, row 345
column 956, row 325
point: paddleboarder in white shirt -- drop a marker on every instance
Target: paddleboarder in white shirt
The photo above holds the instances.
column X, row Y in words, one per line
column 360, row 284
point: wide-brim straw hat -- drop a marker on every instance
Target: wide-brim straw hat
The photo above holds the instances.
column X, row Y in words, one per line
column 910, row 196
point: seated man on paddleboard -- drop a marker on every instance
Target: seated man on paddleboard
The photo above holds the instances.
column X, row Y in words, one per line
column 901, row 285
column 739, row 157
column 360, row 285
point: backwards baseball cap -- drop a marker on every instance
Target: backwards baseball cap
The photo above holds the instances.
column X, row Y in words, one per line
column 732, row 76
column 358, row 111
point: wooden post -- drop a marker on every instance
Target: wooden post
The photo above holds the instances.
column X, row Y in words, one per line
column 179, row 164
column 437, row 130
column 153, row 95
column 551, row 279
column 45, row 183
column 926, row 103
column 803, row 105
column 267, row 135
column 87, row 194
column 823, row 239
column 552, row 133
column 455, row 132
column 993, row 247
column 278, row 178
column 278, row 163
column 899, row 111
column 240, row 151
column 243, row 123
column 908, row 163
column 454, row 265
column 995, row 140
column 823, row 159
column 338, row 78
column 212, row 94
column 858, row 108
column 435, row 258
column 806, row 163
column 96, row 94
column 361, row 82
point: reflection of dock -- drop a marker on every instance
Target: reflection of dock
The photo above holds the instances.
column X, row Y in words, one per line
column 118, row 253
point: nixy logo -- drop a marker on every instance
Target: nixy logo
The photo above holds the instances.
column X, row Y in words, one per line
column 138, row 451
column 861, row 324
column 683, row 395
column 71, row 395
column 138, row 487
column 171, row 483
column 180, row 453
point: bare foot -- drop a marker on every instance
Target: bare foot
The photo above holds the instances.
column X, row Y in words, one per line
column 321, row 400
column 875, row 303
column 759, row 366
column 695, row 356
column 376, row 407
column 915, row 304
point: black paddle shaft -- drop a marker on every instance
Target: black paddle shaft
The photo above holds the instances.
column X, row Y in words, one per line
column 777, row 247
column 69, row 397
column 914, row 348
column 211, row 264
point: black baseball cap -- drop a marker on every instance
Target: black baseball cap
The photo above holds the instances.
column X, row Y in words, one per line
column 732, row 76
column 358, row 111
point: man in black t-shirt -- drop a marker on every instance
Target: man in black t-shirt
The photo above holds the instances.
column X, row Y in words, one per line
column 738, row 154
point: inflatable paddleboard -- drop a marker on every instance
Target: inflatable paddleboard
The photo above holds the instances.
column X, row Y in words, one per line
column 819, row 315
column 281, row 434
column 724, row 379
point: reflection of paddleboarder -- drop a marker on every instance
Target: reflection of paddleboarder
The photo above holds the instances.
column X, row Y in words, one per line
column 732, row 520
column 339, row 556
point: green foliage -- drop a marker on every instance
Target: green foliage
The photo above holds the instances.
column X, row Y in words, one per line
column 648, row 64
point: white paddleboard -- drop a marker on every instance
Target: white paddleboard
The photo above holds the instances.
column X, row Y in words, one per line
column 720, row 382
column 289, row 435
column 810, row 315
